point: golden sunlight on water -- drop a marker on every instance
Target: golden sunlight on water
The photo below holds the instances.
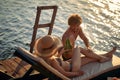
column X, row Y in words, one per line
column 101, row 22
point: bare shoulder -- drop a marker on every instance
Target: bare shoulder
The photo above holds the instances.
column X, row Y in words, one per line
column 54, row 61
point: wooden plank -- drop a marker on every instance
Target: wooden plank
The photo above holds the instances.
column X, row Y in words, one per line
column 14, row 67
column 44, row 25
column 115, row 60
column 23, row 64
column 2, row 68
column 46, row 7
column 5, row 64
column 21, row 67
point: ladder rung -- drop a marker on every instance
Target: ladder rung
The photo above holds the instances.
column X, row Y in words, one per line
column 44, row 25
column 47, row 7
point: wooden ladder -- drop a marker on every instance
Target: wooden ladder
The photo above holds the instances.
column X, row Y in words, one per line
column 37, row 25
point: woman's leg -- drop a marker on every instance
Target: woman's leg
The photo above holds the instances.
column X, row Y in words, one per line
column 86, row 60
column 76, row 60
column 109, row 55
column 100, row 58
column 90, row 54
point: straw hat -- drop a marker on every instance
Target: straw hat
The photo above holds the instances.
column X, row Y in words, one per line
column 47, row 45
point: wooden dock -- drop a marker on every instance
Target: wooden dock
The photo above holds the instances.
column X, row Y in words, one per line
column 14, row 67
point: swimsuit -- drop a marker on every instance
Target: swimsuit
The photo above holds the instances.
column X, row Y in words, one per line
column 60, row 63
column 70, row 67
column 59, row 60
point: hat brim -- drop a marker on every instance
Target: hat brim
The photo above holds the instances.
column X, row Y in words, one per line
column 47, row 52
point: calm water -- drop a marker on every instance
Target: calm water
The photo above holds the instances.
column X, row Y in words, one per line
column 101, row 22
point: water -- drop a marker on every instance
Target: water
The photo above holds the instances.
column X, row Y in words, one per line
column 101, row 22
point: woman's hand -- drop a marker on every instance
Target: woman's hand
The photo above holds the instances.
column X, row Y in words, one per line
column 75, row 74
column 62, row 51
column 79, row 73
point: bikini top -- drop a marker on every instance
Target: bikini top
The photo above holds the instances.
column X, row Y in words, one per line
column 59, row 60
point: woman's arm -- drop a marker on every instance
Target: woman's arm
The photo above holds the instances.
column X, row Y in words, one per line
column 56, row 65
column 61, row 50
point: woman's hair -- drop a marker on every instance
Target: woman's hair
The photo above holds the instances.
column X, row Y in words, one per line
column 74, row 19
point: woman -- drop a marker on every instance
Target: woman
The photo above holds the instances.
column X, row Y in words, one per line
column 47, row 48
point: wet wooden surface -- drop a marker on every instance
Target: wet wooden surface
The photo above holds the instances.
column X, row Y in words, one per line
column 14, row 67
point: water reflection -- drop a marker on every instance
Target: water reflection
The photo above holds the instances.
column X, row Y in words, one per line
column 100, row 22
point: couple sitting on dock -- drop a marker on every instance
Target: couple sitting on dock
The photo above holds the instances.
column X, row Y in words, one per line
column 51, row 48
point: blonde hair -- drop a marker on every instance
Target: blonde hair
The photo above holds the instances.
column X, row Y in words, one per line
column 74, row 19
